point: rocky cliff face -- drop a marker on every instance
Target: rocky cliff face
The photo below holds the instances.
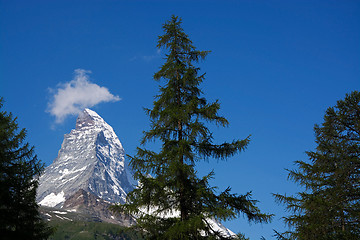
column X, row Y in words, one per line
column 91, row 205
column 91, row 158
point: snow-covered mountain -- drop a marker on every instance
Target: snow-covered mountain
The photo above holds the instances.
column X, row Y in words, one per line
column 90, row 173
column 91, row 158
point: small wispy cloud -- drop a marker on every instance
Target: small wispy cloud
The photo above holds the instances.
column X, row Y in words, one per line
column 72, row 97
column 147, row 58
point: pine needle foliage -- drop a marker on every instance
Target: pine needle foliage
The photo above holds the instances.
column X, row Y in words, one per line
column 19, row 168
column 172, row 202
column 329, row 206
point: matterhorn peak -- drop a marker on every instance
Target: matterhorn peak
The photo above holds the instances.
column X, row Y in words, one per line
column 91, row 158
column 86, row 118
column 89, row 118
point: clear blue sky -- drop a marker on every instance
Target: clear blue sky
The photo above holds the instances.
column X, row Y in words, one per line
column 275, row 66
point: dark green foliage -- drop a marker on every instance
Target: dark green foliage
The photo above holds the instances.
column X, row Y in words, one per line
column 329, row 207
column 19, row 168
column 242, row 236
column 78, row 230
column 178, row 121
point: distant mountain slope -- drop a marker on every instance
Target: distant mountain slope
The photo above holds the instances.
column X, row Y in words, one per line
column 79, row 226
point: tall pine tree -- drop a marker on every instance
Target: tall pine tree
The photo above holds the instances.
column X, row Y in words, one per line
column 329, row 206
column 19, row 168
column 172, row 202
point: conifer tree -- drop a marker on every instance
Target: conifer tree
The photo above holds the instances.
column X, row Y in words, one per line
column 329, row 206
column 172, row 202
column 19, row 168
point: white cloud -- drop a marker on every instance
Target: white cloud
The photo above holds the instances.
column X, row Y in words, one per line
column 72, row 97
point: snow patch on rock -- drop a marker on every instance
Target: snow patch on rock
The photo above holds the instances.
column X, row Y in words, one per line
column 53, row 199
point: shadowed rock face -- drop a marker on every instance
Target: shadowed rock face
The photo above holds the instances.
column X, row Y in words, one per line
column 89, row 204
column 91, row 158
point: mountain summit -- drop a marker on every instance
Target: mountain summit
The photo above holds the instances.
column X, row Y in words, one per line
column 91, row 158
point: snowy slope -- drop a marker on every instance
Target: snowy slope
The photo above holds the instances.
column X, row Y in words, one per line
column 91, row 158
